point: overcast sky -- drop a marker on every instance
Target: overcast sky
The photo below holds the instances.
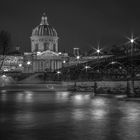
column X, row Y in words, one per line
column 78, row 23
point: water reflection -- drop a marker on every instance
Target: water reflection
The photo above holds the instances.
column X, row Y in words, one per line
column 63, row 115
column 3, row 97
column 26, row 96
column 19, row 97
column 24, row 120
column 62, row 96
column 130, row 121
column 80, row 99
column 98, row 102
column 3, row 91
column 78, row 114
column 98, row 114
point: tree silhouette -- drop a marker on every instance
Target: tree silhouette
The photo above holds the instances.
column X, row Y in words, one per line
column 118, row 50
column 5, row 41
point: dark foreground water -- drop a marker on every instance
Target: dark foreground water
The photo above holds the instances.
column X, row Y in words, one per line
column 61, row 116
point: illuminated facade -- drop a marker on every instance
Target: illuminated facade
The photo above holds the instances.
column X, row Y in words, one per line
column 12, row 63
column 44, row 54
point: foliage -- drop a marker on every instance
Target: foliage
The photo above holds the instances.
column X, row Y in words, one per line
column 118, row 50
column 5, row 41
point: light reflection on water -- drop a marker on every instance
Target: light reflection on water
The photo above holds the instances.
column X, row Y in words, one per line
column 63, row 115
column 80, row 99
column 26, row 96
column 62, row 96
column 3, row 97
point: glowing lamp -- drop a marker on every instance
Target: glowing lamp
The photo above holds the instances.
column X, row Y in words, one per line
column 28, row 62
column 132, row 40
column 98, row 50
column 78, row 57
column 58, row 72
column 20, row 65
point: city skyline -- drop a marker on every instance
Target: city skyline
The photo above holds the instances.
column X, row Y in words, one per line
column 78, row 24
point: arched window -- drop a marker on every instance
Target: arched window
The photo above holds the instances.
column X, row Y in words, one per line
column 46, row 46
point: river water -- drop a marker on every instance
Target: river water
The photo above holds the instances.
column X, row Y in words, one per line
column 63, row 116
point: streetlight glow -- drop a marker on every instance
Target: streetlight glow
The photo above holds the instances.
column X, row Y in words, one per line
column 132, row 40
column 98, row 50
column 87, row 67
column 58, row 72
column 64, row 61
column 28, row 62
column 78, row 57
column 20, row 65
column 4, row 76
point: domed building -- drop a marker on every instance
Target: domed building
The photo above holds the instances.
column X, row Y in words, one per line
column 44, row 49
column 44, row 37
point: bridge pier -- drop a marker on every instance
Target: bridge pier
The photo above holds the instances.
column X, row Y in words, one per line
column 130, row 88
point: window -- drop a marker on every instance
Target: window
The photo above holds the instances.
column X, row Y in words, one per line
column 46, row 46
column 36, row 47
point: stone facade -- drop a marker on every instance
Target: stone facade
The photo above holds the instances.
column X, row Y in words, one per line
column 44, row 54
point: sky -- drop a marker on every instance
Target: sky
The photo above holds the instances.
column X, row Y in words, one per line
column 80, row 24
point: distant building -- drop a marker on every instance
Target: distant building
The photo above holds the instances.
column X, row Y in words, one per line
column 13, row 62
column 44, row 55
column 76, row 52
column 44, row 37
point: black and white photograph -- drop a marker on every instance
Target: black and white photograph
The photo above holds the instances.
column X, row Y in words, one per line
column 69, row 70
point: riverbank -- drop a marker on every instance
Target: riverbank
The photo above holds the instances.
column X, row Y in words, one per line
column 102, row 87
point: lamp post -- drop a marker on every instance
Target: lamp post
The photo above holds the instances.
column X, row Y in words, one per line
column 78, row 58
column 28, row 64
column 130, row 83
column 132, row 65
column 98, row 51
column 58, row 73
column 86, row 68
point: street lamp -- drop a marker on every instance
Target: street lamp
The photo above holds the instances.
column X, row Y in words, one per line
column 87, row 67
column 130, row 85
column 78, row 57
column 64, row 61
column 58, row 73
column 28, row 63
column 98, row 51
column 20, row 65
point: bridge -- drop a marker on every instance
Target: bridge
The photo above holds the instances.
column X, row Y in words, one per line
column 111, row 67
column 106, row 67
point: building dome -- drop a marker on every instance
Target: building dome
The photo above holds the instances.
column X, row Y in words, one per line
column 44, row 29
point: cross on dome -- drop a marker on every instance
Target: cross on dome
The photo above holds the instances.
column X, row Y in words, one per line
column 44, row 20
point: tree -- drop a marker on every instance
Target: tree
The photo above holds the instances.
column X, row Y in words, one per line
column 5, row 41
column 118, row 50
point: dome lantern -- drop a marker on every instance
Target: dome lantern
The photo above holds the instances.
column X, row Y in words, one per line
column 44, row 20
column 44, row 29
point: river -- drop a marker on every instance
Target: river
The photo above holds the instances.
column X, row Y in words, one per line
column 63, row 116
